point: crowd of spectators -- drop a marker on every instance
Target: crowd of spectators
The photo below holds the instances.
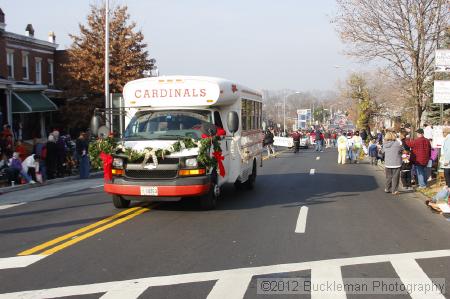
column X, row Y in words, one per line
column 56, row 156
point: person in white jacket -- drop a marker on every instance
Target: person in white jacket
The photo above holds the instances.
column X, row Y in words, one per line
column 31, row 165
column 357, row 146
column 342, row 148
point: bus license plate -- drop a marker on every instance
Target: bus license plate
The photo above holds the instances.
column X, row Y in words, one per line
column 149, row 191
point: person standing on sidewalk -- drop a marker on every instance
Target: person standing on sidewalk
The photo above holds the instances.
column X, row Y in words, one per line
column 392, row 149
column 82, row 146
column 296, row 137
column 350, row 147
column 420, row 155
column 373, row 152
column 318, row 141
column 51, row 157
column 446, row 156
column 268, row 142
column 357, row 146
column 342, row 148
column 333, row 139
column 406, row 168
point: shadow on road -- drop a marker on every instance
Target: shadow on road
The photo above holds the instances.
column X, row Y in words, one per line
column 50, row 225
column 34, row 212
column 288, row 190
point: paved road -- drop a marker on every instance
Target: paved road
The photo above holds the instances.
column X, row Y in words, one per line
column 307, row 218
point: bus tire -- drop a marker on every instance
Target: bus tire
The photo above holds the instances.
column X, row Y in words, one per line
column 250, row 183
column 208, row 201
column 120, row 202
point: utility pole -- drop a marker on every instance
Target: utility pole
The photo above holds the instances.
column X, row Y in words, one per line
column 107, row 99
column 284, row 114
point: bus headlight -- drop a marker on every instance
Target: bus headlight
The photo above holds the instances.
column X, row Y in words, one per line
column 117, row 163
column 191, row 162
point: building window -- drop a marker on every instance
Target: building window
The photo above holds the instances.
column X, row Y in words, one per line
column 50, row 72
column 38, row 71
column 25, row 66
column 10, row 63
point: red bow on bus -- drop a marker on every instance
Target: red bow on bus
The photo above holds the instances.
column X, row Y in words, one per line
column 107, row 166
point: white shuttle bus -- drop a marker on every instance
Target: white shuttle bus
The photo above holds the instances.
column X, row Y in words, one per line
column 170, row 110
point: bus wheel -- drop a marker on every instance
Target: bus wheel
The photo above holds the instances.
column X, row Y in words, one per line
column 120, row 202
column 250, row 183
column 208, row 201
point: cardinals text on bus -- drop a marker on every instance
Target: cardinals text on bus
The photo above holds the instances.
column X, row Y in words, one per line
column 170, row 93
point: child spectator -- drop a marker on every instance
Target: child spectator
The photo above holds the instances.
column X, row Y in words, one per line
column 373, row 152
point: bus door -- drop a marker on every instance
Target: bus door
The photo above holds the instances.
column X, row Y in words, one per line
column 225, row 144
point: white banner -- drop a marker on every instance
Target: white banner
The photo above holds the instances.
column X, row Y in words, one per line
column 442, row 60
column 283, row 141
column 441, row 92
column 438, row 136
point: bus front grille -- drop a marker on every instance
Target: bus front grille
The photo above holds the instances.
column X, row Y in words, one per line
column 150, row 174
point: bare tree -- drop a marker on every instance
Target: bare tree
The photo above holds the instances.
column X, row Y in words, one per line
column 404, row 33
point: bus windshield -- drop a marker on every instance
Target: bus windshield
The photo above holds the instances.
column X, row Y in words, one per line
column 167, row 125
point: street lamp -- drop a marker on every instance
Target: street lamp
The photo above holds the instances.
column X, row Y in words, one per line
column 107, row 98
column 284, row 107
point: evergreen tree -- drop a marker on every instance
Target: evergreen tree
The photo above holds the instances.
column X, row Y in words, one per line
column 359, row 93
column 84, row 70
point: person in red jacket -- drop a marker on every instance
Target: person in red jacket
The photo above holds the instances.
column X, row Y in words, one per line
column 420, row 155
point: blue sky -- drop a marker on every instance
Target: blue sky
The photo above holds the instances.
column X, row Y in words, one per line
column 264, row 44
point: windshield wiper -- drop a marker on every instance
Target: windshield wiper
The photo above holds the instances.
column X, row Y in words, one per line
column 138, row 137
column 168, row 136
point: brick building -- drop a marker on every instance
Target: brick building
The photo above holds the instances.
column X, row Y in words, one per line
column 27, row 81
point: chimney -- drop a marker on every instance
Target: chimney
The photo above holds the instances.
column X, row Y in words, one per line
column 2, row 16
column 29, row 31
column 51, row 37
column 2, row 20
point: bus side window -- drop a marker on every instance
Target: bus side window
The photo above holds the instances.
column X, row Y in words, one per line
column 218, row 120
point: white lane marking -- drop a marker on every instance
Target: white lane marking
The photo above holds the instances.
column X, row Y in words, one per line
column 312, row 171
column 130, row 292
column 19, row 261
column 410, row 273
column 317, row 158
column 4, row 207
column 98, row 186
column 232, row 287
column 327, row 275
column 106, row 287
column 301, row 221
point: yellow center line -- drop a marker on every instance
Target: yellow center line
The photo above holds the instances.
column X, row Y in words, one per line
column 77, row 232
column 94, row 232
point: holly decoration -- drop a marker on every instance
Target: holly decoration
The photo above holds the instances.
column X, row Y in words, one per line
column 204, row 156
column 102, row 145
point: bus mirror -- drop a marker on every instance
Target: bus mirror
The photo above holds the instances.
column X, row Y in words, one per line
column 95, row 125
column 233, row 122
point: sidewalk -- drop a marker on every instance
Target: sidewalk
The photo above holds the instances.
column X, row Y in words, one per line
column 52, row 188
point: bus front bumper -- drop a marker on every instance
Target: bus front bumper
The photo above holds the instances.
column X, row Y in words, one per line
column 175, row 188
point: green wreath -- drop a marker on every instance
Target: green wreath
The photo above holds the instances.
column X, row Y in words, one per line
column 109, row 146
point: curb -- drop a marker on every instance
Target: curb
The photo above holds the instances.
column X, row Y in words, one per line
column 10, row 189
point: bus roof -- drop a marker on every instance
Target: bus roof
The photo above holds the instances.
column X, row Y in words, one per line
column 185, row 91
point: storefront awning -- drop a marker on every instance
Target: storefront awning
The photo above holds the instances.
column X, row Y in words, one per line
column 29, row 102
